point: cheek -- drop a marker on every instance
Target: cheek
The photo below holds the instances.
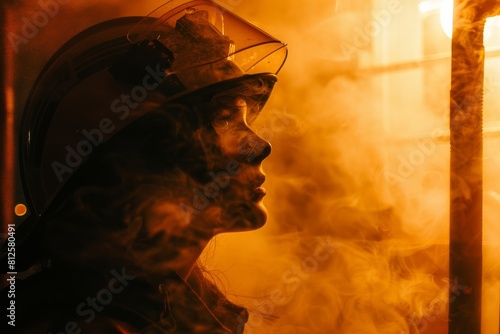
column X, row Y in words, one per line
column 165, row 219
column 231, row 141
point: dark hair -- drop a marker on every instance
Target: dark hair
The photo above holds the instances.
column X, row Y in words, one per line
column 105, row 214
column 156, row 161
column 158, row 158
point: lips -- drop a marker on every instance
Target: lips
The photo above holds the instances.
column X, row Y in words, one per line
column 258, row 191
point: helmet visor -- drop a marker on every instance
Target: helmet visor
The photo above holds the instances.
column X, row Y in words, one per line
column 209, row 44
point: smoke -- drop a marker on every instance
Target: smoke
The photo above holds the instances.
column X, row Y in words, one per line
column 357, row 182
column 362, row 164
column 347, row 248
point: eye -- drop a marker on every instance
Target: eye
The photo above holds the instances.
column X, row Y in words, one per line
column 252, row 113
column 223, row 116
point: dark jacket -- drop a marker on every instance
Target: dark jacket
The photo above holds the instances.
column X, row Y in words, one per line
column 121, row 303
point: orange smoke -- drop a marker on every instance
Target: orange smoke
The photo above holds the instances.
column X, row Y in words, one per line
column 364, row 162
column 358, row 180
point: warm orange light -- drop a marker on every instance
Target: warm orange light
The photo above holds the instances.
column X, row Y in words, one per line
column 20, row 210
column 446, row 16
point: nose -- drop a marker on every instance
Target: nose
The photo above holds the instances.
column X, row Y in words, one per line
column 254, row 149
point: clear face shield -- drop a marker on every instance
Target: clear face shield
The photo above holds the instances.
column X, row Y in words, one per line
column 113, row 73
column 206, row 44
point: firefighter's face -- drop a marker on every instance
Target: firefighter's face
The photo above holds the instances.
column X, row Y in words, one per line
column 234, row 155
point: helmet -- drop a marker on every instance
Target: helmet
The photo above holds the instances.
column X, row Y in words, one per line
column 111, row 74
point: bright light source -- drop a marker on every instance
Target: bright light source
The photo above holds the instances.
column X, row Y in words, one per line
column 428, row 6
column 491, row 28
column 446, row 16
column 20, row 210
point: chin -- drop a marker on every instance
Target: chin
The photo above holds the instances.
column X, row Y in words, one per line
column 245, row 216
column 261, row 215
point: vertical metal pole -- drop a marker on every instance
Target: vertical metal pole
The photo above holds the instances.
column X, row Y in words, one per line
column 466, row 170
column 6, row 120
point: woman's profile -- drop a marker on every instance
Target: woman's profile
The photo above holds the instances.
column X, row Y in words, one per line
column 136, row 150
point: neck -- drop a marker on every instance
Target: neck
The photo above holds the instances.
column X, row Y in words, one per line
column 187, row 258
column 184, row 236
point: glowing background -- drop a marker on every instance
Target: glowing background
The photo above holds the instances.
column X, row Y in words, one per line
column 358, row 186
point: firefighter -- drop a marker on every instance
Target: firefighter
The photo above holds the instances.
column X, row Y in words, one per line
column 136, row 150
